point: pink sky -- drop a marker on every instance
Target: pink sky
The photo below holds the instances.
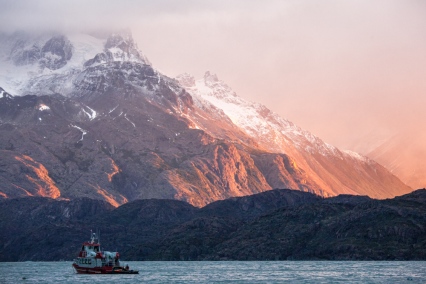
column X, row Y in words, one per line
column 341, row 69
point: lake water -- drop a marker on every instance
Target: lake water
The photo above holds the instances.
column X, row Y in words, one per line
column 225, row 272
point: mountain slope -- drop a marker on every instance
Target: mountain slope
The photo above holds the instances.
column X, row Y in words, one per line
column 400, row 152
column 327, row 166
column 95, row 119
column 369, row 230
column 404, row 155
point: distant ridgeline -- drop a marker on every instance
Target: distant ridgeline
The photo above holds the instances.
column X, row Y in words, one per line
column 274, row 225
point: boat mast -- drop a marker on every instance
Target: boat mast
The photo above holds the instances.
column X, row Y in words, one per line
column 99, row 239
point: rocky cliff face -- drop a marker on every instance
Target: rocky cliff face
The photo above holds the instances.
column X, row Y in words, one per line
column 107, row 125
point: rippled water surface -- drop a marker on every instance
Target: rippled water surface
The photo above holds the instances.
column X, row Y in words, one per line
column 225, row 272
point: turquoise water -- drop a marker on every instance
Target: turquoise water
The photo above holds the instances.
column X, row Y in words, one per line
column 225, row 272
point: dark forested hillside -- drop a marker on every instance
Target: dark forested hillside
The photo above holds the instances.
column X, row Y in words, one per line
column 274, row 225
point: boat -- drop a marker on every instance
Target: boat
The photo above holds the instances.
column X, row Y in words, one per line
column 92, row 260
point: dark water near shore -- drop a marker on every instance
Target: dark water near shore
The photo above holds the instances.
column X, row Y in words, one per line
column 225, row 272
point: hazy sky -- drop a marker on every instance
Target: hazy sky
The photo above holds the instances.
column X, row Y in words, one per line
column 340, row 69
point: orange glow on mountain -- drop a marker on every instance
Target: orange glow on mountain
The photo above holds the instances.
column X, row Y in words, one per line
column 45, row 186
column 109, row 197
column 4, row 195
column 115, row 170
column 23, row 189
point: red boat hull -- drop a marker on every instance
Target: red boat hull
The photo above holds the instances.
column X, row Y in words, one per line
column 103, row 270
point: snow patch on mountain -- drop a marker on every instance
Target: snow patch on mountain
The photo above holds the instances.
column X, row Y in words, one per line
column 14, row 78
column 83, row 132
column 91, row 113
column 125, row 116
column 111, row 110
column 85, row 47
column 356, row 156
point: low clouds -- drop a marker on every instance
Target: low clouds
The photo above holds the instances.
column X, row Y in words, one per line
column 338, row 68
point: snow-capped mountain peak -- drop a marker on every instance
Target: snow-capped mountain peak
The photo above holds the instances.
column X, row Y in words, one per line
column 32, row 62
column 123, row 48
column 120, row 46
column 107, row 125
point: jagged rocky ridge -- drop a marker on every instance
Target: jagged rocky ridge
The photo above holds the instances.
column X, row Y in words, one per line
column 274, row 225
column 99, row 121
